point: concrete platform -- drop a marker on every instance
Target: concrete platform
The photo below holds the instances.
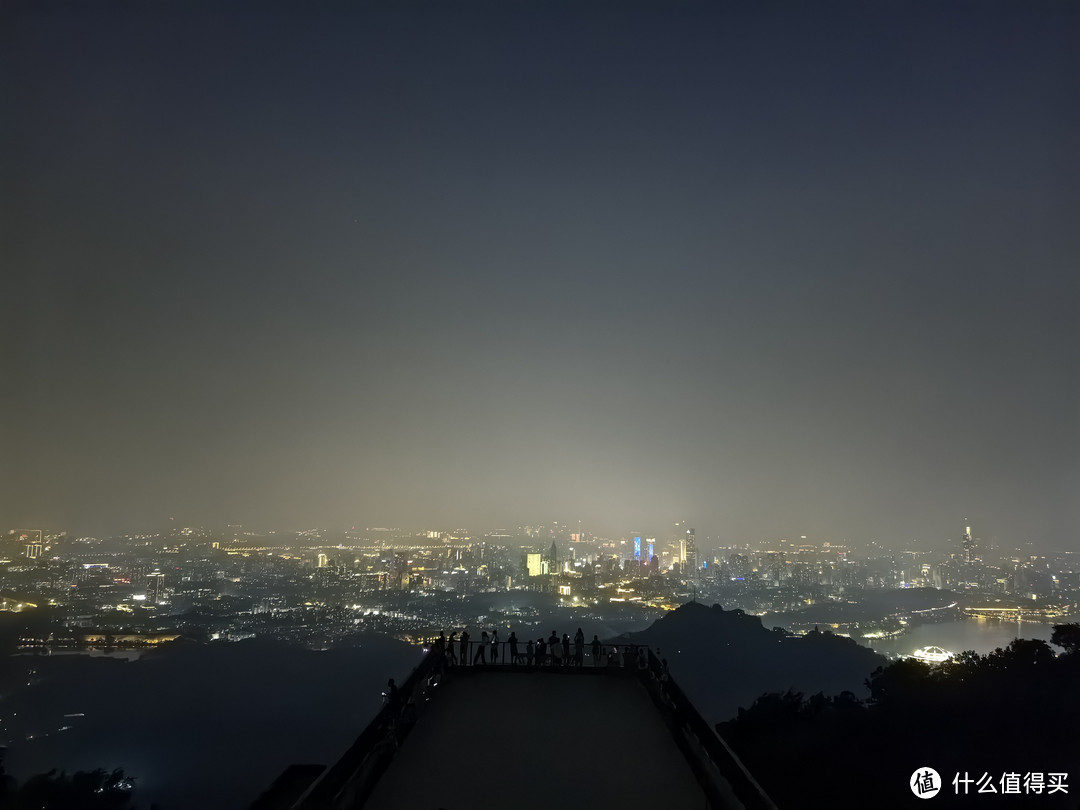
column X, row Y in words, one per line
column 538, row 740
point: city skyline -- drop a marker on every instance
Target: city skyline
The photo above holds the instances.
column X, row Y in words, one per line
column 799, row 273
column 966, row 544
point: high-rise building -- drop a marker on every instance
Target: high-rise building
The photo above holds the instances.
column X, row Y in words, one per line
column 155, row 587
column 690, row 553
column 968, row 546
column 637, row 548
column 533, row 564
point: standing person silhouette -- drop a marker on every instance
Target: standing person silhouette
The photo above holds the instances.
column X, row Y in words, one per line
column 481, row 648
column 552, row 647
column 393, row 698
column 465, row 647
column 529, row 653
column 495, row 646
column 566, row 649
column 596, row 651
column 541, row 653
column 513, row 648
column 579, row 648
column 451, row 643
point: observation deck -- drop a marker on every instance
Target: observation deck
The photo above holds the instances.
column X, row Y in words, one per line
column 615, row 732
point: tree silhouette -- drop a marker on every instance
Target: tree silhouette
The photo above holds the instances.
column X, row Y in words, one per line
column 82, row 790
column 1066, row 636
column 1007, row 712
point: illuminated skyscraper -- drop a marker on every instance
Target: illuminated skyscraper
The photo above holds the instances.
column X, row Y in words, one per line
column 968, row 546
column 690, row 553
column 534, row 564
column 155, row 587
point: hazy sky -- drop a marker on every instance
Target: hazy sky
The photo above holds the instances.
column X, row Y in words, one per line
column 777, row 268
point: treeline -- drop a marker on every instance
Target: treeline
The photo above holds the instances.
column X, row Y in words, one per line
column 82, row 790
column 1015, row 711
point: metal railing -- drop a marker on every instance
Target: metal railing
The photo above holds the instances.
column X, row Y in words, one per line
column 709, row 755
column 349, row 781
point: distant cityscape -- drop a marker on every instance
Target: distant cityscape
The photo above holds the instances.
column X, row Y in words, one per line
column 319, row 588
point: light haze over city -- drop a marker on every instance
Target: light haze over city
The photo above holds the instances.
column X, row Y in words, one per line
column 523, row 264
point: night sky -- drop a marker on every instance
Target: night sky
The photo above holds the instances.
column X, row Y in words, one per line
column 778, row 268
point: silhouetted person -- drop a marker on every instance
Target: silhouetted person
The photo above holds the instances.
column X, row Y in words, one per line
column 566, row 649
column 451, row 655
column 579, row 648
column 529, row 653
column 513, row 648
column 464, row 648
column 393, row 698
column 438, row 665
column 495, row 646
column 552, row 647
column 481, row 648
column 642, row 659
column 541, row 652
column 440, row 642
column 664, row 675
column 595, row 651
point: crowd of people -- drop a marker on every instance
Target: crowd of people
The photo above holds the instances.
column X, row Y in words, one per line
column 554, row 651
column 551, row 653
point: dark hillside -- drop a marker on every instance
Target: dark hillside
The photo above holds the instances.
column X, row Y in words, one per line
column 725, row 659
